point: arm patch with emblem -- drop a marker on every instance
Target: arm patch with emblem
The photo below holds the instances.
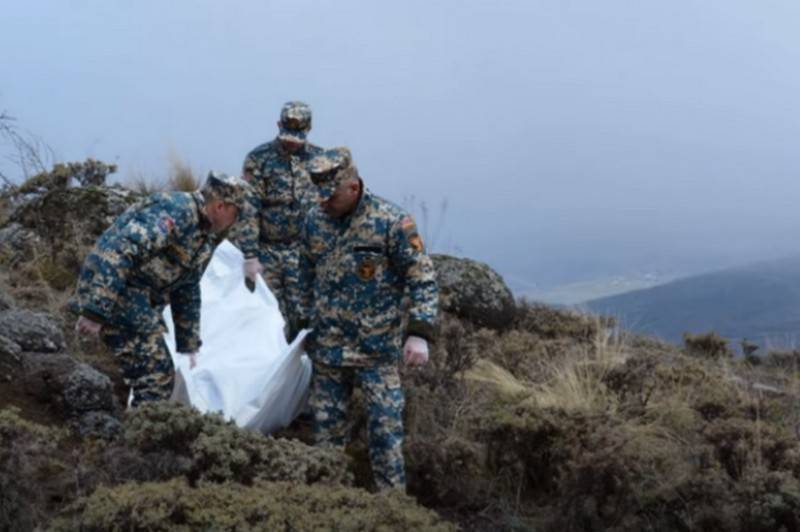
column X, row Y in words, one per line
column 412, row 235
column 166, row 224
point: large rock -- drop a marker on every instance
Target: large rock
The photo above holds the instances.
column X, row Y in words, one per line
column 10, row 358
column 18, row 242
column 75, row 215
column 473, row 291
column 87, row 389
column 82, row 394
column 32, row 331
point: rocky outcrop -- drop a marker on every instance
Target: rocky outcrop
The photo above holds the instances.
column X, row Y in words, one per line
column 84, row 395
column 32, row 331
column 473, row 291
column 77, row 215
column 33, row 360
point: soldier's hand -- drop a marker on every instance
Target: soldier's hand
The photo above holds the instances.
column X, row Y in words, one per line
column 87, row 327
column 192, row 359
column 415, row 351
column 252, row 269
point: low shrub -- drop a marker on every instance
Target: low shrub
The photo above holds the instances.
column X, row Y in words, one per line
column 28, row 463
column 218, row 451
column 709, row 345
column 176, row 506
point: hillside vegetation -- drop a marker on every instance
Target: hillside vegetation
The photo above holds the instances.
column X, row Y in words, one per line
column 545, row 420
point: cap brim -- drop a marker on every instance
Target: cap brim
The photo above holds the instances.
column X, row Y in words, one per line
column 292, row 135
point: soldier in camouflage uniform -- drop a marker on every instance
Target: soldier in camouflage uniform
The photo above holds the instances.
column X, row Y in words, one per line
column 154, row 254
column 268, row 234
column 360, row 255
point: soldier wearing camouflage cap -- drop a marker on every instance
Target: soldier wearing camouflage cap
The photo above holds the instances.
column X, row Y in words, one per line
column 360, row 256
column 282, row 195
column 154, row 254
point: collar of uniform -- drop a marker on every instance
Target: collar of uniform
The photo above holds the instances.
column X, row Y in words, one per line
column 202, row 218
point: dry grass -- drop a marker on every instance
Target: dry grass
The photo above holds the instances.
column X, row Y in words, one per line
column 181, row 175
column 576, row 383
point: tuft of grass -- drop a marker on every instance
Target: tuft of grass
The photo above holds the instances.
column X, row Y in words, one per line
column 181, row 175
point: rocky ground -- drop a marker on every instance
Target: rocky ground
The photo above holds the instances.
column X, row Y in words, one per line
column 527, row 418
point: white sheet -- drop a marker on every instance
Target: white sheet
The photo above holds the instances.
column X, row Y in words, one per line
column 245, row 369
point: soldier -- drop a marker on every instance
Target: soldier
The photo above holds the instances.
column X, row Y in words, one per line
column 360, row 254
column 154, row 254
column 268, row 235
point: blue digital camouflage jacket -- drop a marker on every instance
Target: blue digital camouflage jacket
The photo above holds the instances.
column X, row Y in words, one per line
column 153, row 254
column 355, row 273
column 283, row 194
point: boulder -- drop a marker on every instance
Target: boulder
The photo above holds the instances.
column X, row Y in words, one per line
column 83, row 395
column 18, row 242
column 87, row 389
column 473, row 291
column 10, row 358
column 73, row 215
column 32, row 331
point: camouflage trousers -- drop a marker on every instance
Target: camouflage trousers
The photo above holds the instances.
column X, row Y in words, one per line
column 282, row 273
column 146, row 364
column 331, row 389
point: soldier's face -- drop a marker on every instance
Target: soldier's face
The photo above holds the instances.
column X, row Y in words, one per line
column 343, row 200
column 222, row 215
column 290, row 146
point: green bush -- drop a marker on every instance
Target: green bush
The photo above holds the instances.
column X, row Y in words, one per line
column 709, row 345
column 552, row 323
column 216, row 450
column 28, row 461
column 175, row 506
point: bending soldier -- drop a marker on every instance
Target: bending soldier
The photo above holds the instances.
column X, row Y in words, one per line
column 154, row 254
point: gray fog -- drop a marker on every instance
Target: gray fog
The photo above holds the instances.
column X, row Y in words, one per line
column 559, row 140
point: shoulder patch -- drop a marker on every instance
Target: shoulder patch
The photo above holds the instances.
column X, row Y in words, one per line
column 410, row 230
column 416, row 243
column 166, row 224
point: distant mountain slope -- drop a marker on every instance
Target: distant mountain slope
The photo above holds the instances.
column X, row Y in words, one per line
column 760, row 302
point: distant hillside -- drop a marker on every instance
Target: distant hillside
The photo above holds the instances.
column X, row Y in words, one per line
column 580, row 291
column 760, row 302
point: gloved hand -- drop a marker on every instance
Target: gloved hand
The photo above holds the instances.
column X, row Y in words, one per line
column 88, row 327
column 252, row 269
column 415, row 351
column 192, row 359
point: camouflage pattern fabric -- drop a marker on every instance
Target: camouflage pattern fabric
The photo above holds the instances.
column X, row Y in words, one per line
column 282, row 195
column 153, row 254
column 295, row 121
column 281, row 272
column 331, row 389
column 145, row 361
column 354, row 275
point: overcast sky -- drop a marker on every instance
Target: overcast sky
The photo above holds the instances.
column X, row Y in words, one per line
column 570, row 139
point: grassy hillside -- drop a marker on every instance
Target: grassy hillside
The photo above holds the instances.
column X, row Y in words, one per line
column 760, row 302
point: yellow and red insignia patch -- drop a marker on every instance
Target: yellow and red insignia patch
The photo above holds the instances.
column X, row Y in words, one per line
column 366, row 269
column 416, row 243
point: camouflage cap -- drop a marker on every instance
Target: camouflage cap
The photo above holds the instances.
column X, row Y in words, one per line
column 330, row 168
column 230, row 189
column 295, row 122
